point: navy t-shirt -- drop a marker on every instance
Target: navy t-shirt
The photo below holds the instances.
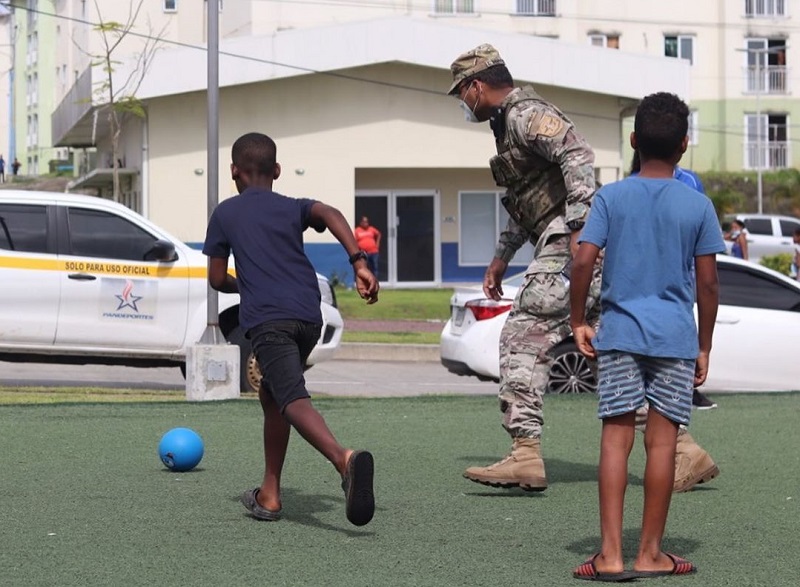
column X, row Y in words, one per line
column 264, row 231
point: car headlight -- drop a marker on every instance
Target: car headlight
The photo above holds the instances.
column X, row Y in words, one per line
column 326, row 291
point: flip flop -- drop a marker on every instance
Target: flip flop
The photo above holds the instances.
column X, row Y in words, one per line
column 357, row 486
column 588, row 572
column 256, row 510
column 681, row 566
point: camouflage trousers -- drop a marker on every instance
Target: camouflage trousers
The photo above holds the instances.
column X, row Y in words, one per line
column 539, row 320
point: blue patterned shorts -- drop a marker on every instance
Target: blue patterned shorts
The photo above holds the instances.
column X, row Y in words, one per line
column 627, row 381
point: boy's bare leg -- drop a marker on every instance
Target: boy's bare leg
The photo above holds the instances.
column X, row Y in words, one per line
column 660, row 439
column 311, row 425
column 615, row 447
column 276, row 440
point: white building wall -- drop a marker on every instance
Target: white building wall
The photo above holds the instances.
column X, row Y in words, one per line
column 329, row 128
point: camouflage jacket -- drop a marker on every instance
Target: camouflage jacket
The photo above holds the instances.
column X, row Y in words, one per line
column 547, row 169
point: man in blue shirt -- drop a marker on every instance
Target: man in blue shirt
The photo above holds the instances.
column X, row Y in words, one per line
column 653, row 230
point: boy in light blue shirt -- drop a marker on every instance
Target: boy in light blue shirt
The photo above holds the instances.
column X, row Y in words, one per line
column 652, row 228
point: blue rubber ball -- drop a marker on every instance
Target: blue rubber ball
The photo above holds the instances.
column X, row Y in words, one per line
column 181, row 449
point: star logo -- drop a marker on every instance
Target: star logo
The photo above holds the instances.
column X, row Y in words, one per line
column 127, row 299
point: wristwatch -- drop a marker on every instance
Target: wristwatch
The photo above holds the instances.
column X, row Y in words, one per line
column 357, row 255
column 575, row 225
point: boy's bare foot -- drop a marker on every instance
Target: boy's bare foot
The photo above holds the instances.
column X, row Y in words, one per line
column 664, row 564
column 250, row 502
column 267, row 501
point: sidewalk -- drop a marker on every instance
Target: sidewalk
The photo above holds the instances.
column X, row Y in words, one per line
column 374, row 351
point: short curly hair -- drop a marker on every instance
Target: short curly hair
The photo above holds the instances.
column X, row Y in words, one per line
column 495, row 77
column 661, row 124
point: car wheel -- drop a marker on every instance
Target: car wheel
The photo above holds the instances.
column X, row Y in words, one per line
column 570, row 372
column 249, row 371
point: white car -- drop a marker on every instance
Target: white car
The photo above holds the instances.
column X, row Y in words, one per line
column 767, row 234
column 85, row 280
column 756, row 337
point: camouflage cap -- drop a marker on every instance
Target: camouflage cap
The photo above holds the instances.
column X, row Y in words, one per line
column 473, row 61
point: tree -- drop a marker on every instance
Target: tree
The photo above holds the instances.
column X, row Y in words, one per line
column 118, row 96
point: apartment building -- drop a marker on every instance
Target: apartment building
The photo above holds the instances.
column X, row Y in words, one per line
column 353, row 93
column 740, row 52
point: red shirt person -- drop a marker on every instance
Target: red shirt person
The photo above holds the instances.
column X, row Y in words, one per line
column 369, row 241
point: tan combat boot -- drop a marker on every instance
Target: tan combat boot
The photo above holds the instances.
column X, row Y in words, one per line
column 522, row 468
column 693, row 465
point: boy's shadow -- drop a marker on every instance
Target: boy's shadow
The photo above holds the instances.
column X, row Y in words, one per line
column 588, row 546
column 301, row 508
column 559, row 471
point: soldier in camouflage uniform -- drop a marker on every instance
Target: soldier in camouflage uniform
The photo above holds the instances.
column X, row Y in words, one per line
column 547, row 169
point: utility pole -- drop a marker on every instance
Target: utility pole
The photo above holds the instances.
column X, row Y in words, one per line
column 212, row 365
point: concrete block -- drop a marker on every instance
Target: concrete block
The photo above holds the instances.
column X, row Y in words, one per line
column 212, row 372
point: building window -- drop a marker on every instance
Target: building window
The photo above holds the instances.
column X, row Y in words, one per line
column 536, row 7
column 766, row 141
column 765, row 69
column 454, row 6
column 680, row 46
column 694, row 128
column 482, row 218
column 603, row 40
column 764, row 8
column 170, row 5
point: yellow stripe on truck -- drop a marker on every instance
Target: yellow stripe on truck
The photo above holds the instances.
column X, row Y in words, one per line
column 103, row 268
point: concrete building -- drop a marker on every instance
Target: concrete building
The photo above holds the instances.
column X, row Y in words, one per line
column 361, row 121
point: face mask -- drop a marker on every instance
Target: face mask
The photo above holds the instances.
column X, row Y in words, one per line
column 469, row 113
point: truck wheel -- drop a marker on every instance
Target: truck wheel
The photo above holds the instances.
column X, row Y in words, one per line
column 249, row 372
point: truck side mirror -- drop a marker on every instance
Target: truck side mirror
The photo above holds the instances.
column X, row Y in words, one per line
column 161, row 250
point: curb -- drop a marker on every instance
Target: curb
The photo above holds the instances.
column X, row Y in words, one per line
column 375, row 351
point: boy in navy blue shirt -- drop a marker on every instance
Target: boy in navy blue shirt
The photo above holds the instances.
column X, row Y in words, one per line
column 652, row 227
column 280, row 314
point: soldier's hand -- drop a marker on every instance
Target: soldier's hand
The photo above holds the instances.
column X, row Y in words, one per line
column 493, row 279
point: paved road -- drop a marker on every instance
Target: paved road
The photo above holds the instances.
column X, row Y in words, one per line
column 337, row 378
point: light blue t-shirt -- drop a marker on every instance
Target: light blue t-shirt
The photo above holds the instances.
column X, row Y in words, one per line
column 651, row 230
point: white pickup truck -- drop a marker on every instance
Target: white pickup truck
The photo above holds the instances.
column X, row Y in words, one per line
column 84, row 280
column 767, row 234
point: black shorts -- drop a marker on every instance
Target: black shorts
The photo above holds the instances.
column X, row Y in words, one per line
column 281, row 348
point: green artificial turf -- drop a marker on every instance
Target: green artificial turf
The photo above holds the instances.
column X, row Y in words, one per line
column 84, row 499
column 397, row 304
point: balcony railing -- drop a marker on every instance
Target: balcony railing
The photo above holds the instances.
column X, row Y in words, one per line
column 773, row 155
column 536, row 7
column 767, row 79
column 73, row 107
column 454, row 6
column 764, row 8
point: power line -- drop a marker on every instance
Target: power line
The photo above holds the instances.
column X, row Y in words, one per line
column 353, row 78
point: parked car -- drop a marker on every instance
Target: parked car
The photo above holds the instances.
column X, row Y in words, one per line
column 767, row 234
column 85, row 280
column 756, row 337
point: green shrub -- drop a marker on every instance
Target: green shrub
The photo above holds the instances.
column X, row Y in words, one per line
column 781, row 263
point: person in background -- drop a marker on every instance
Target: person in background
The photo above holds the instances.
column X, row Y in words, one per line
column 15, row 166
column 738, row 235
column 686, row 176
column 369, row 240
